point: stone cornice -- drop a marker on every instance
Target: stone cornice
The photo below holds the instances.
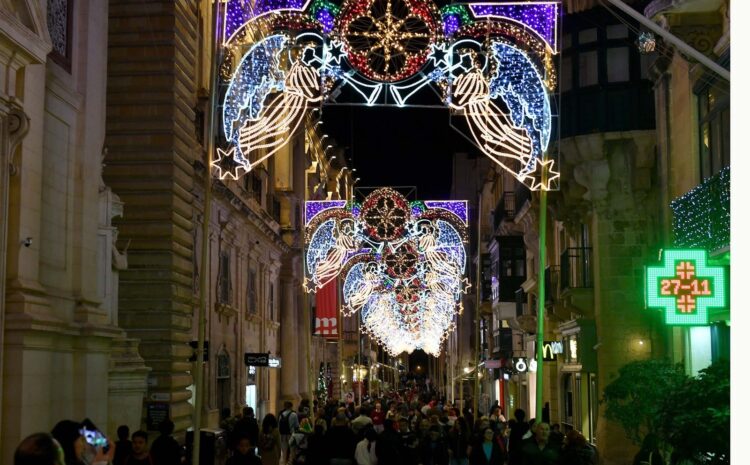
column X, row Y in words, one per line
column 16, row 37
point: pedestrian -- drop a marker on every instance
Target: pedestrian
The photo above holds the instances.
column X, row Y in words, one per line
column 340, row 441
column 123, row 446
column 576, row 450
column 140, row 454
column 556, row 436
column 378, row 418
column 409, row 445
column 269, row 441
column 39, row 449
column 362, row 421
column 538, row 450
column 388, row 447
column 434, row 451
column 518, row 428
column 316, row 445
column 247, row 426
column 304, row 409
column 487, row 450
column 364, row 453
column 288, row 424
column 298, row 443
column 649, row 453
column 243, row 453
column 165, row 450
column 458, row 442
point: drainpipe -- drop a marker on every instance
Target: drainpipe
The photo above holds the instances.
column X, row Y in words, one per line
column 672, row 39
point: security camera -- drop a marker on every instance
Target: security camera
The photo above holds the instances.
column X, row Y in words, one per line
column 27, row 242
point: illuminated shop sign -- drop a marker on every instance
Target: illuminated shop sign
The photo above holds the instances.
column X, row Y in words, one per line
column 685, row 286
column 523, row 364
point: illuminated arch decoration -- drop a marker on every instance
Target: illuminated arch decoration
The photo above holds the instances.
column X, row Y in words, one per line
column 685, row 286
column 402, row 264
column 492, row 63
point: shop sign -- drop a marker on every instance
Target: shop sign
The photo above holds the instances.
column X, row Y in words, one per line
column 685, row 286
column 551, row 349
column 523, row 364
column 256, row 359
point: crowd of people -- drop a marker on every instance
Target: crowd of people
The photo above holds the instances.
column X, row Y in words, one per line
column 390, row 431
column 398, row 431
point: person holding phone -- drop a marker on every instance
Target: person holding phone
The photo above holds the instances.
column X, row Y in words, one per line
column 73, row 441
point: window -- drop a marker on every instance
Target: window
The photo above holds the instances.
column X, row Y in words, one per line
column 588, row 68
column 713, row 120
column 60, row 25
column 617, row 31
column 566, row 74
column 618, row 69
column 225, row 282
column 587, row 36
column 251, row 293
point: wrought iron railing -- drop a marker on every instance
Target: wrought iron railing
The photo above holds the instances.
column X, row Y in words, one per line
column 576, row 268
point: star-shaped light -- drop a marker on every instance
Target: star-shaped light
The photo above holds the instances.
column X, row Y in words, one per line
column 465, row 59
column 542, row 176
column 335, row 52
column 439, row 54
column 226, row 164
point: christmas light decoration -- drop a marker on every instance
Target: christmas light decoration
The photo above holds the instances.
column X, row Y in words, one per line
column 403, row 262
column 685, row 286
column 388, row 40
column 540, row 17
column 492, row 63
column 646, row 43
column 700, row 218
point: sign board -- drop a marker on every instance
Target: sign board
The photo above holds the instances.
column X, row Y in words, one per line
column 685, row 286
column 156, row 412
column 256, row 359
column 160, row 396
column 492, row 364
column 274, row 362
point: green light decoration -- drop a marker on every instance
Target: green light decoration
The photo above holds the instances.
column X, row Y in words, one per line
column 685, row 286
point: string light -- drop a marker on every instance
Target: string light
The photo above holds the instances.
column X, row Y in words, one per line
column 520, row 87
column 701, row 217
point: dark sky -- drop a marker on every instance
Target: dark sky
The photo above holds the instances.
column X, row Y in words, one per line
column 392, row 146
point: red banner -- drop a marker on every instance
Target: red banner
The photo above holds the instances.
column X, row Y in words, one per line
column 326, row 311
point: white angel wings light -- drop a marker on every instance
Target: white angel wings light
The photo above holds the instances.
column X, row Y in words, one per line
column 403, row 264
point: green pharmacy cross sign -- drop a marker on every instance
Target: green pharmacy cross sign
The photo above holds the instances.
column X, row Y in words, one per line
column 685, row 286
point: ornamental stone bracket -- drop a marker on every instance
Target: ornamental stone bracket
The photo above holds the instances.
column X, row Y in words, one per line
column 17, row 126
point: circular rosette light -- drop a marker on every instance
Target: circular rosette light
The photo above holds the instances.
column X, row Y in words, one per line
column 385, row 213
column 389, row 40
column 402, row 262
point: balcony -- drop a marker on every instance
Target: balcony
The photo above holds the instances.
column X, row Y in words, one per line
column 575, row 268
column 701, row 217
column 576, row 283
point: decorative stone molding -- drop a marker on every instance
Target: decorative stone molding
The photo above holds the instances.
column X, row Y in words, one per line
column 18, row 127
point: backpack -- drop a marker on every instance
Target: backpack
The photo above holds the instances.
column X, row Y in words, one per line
column 284, row 427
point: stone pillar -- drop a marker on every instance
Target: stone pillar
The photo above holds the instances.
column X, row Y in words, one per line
column 291, row 339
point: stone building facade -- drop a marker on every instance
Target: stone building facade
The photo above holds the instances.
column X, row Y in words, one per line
column 63, row 354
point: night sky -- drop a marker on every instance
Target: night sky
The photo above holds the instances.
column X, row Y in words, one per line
column 392, row 146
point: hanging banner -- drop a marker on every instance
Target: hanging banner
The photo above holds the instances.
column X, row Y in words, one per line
column 326, row 311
